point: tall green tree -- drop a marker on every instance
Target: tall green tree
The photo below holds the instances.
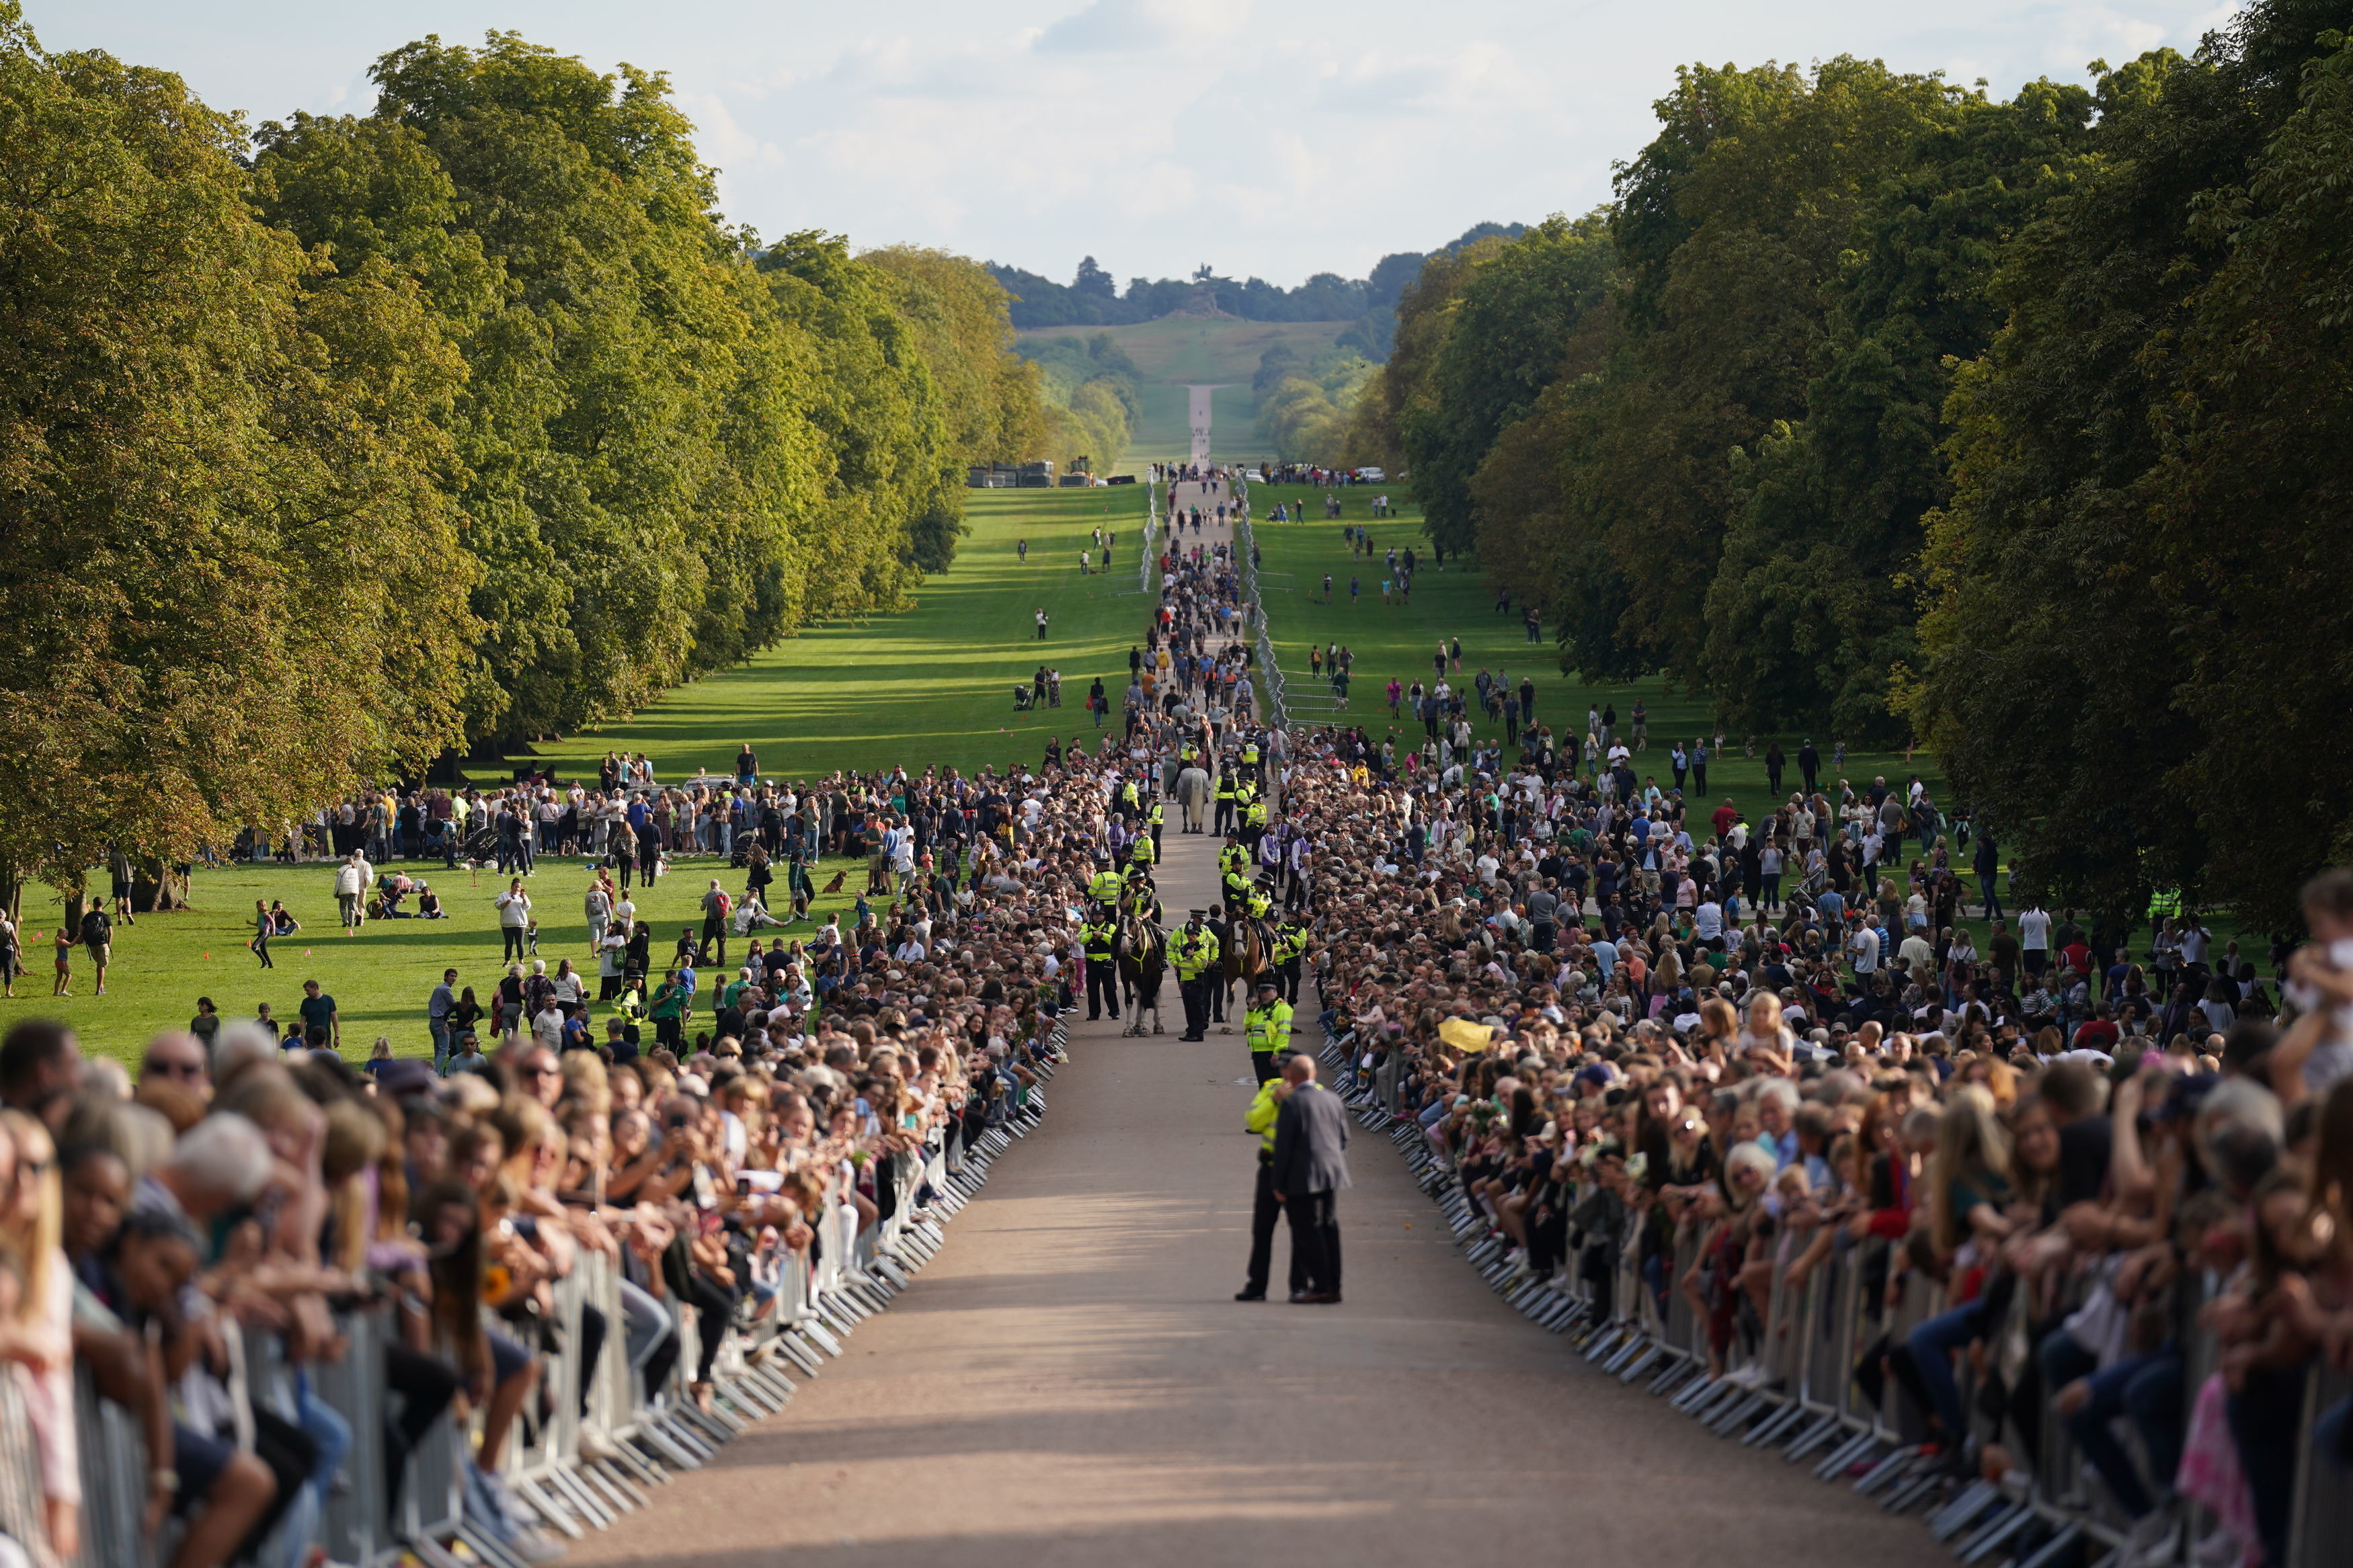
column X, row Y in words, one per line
column 1814, row 601
column 1500, row 337
column 221, row 475
column 887, row 453
column 636, row 467
column 2249, row 502
column 2069, row 599
column 990, row 397
column 1731, row 225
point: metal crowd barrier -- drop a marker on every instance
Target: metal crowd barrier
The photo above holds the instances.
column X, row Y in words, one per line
column 1791, row 1378
column 850, row 1274
column 1271, row 689
column 22, row 1519
column 1151, row 527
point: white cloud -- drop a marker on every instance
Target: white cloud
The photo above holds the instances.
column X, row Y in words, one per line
column 1117, row 27
column 1270, row 137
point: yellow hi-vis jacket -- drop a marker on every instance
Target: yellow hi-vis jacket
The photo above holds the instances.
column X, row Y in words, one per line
column 1260, row 1118
column 1269, row 1027
column 1192, row 950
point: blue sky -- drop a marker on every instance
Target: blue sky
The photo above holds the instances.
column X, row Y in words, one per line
column 1268, row 137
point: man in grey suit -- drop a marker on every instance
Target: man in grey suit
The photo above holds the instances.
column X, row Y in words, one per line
column 1311, row 1166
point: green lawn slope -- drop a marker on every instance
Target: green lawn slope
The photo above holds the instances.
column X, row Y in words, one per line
column 1398, row 640
column 932, row 684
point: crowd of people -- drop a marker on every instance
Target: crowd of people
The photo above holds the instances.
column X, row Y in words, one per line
column 240, row 1182
column 240, row 1185
column 1633, row 1026
column 1638, row 1028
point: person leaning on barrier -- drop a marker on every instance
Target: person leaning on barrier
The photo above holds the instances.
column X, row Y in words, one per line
column 2033, row 1235
column 300, row 1205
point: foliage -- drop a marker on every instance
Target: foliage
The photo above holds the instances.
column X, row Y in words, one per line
column 1814, row 600
column 2126, row 583
column 1496, row 341
column 886, row 437
column 635, row 459
column 1303, row 404
column 462, row 421
column 2264, row 437
column 1094, row 395
column 674, row 445
column 233, row 580
column 990, row 396
column 1890, row 411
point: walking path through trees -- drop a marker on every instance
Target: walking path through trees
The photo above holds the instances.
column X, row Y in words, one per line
column 1072, row 1382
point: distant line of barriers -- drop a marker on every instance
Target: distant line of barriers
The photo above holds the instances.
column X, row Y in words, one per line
column 1147, row 556
column 850, row 1274
column 1796, row 1384
column 1274, row 700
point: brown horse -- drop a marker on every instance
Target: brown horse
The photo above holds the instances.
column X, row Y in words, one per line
column 1245, row 954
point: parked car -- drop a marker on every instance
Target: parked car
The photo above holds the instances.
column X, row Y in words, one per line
column 1370, row 475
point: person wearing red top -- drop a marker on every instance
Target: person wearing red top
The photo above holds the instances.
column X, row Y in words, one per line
column 1725, row 816
column 2098, row 1033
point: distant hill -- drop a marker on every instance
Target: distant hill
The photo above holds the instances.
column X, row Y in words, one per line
column 1167, row 355
column 1093, row 299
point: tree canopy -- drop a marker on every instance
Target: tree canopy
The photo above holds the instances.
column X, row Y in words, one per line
column 338, row 445
column 1877, row 409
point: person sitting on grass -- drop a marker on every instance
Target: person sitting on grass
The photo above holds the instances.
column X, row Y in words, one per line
column 752, row 914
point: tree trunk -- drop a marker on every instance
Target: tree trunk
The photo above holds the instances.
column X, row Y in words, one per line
column 156, row 886
column 76, row 904
column 12, row 892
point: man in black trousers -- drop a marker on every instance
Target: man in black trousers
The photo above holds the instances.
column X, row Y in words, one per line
column 1311, row 1166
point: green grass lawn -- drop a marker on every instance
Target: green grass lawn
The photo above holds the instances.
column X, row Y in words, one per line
column 1177, row 350
column 1398, row 640
column 1162, row 429
column 380, row 979
column 932, row 684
